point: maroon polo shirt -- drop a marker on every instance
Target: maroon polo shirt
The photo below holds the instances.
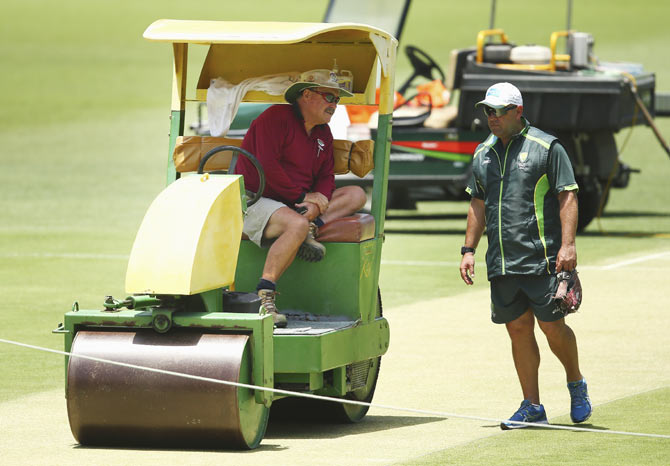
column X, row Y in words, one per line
column 294, row 162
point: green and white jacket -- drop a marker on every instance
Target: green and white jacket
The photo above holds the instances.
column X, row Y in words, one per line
column 519, row 185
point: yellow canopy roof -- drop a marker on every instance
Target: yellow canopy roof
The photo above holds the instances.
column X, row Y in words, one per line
column 241, row 50
column 242, row 32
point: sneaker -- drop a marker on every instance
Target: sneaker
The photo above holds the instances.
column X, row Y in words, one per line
column 526, row 413
column 580, row 403
column 311, row 250
column 269, row 307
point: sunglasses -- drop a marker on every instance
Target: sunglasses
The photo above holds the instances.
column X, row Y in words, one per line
column 490, row 111
column 327, row 96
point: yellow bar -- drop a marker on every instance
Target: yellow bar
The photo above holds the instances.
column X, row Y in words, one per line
column 387, row 83
column 385, row 96
column 552, row 45
column 483, row 35
column 524, row 66
column 179, row 76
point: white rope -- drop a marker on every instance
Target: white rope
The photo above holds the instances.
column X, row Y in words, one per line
column 326, row 398
column 400, row 263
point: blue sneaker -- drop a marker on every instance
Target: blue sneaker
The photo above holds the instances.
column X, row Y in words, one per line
column 580, row 404
column 526, row 413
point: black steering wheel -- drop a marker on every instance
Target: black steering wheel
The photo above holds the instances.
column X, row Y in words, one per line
column 255, row 196
column 423, row 66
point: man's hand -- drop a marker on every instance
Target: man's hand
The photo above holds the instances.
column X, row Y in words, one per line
column 318, row 199
column 473, row 232
column 311, row 210
column 566, row 260
column 468, row 268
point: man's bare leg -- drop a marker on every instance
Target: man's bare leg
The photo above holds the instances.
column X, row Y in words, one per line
column 290, row 229
column 345, row 201
column 563, row 344
column 526, row 355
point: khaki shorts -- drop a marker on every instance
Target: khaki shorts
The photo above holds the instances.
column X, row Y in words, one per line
column 257, row 218
column 512, row 295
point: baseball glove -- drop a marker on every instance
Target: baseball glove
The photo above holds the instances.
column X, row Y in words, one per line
column 568, row 296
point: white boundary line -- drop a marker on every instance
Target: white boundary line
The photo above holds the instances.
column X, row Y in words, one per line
column 326, row 398
column 65, row 255
column 649, row 257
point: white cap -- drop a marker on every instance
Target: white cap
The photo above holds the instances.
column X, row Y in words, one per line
column 501, row 95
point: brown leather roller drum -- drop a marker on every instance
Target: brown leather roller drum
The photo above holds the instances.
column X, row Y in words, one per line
column 114, row 405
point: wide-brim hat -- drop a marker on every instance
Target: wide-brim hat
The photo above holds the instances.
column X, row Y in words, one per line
column 318, row 78
column 501, row 95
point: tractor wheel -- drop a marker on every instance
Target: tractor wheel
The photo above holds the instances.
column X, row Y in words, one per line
column 354, row 413
column 342, row 412
column 296, row 408
column 589, row 196
column 399, row 198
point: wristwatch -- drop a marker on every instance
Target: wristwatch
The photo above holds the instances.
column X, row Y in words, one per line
column 466, row 249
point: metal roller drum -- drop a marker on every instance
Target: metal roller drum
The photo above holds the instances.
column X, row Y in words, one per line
column 115, row 405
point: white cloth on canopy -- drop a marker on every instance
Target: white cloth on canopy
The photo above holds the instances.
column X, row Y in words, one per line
column 223, row 98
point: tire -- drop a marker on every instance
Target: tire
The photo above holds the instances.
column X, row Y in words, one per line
column 589, row 196
column 399, row 198
column 297, row 408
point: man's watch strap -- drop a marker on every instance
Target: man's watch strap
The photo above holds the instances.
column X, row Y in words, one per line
column 465, row 250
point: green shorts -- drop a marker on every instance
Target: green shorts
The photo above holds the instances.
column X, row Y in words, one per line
column 512, row 295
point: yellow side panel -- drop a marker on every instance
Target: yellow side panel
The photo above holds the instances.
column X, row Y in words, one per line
column 189, row 239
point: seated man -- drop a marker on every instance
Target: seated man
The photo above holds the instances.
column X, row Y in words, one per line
column 295, row 147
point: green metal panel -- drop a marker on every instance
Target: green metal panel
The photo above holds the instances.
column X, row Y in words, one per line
column 213, row 299
column 246, row 114
column 419, row 133
column 340, row 380
column 176, row 129
column 344, row 283
column 434, row 154
column 430, row 169
column 318, row 353
column 379, row 192
column 315, row 380
column 379, row 187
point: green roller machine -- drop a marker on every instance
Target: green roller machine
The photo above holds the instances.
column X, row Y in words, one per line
column 190, row 306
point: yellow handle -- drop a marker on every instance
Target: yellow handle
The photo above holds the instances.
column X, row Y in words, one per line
column 552, row 45
column 483, row 35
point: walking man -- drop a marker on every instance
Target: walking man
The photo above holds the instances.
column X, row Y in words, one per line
column 524, row 194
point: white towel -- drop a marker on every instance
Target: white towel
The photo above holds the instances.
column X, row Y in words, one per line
column 223, row 98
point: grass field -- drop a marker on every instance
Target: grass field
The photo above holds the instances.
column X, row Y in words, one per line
column 83, row 125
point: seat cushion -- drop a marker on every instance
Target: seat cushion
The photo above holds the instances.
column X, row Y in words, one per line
column 354, row 229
